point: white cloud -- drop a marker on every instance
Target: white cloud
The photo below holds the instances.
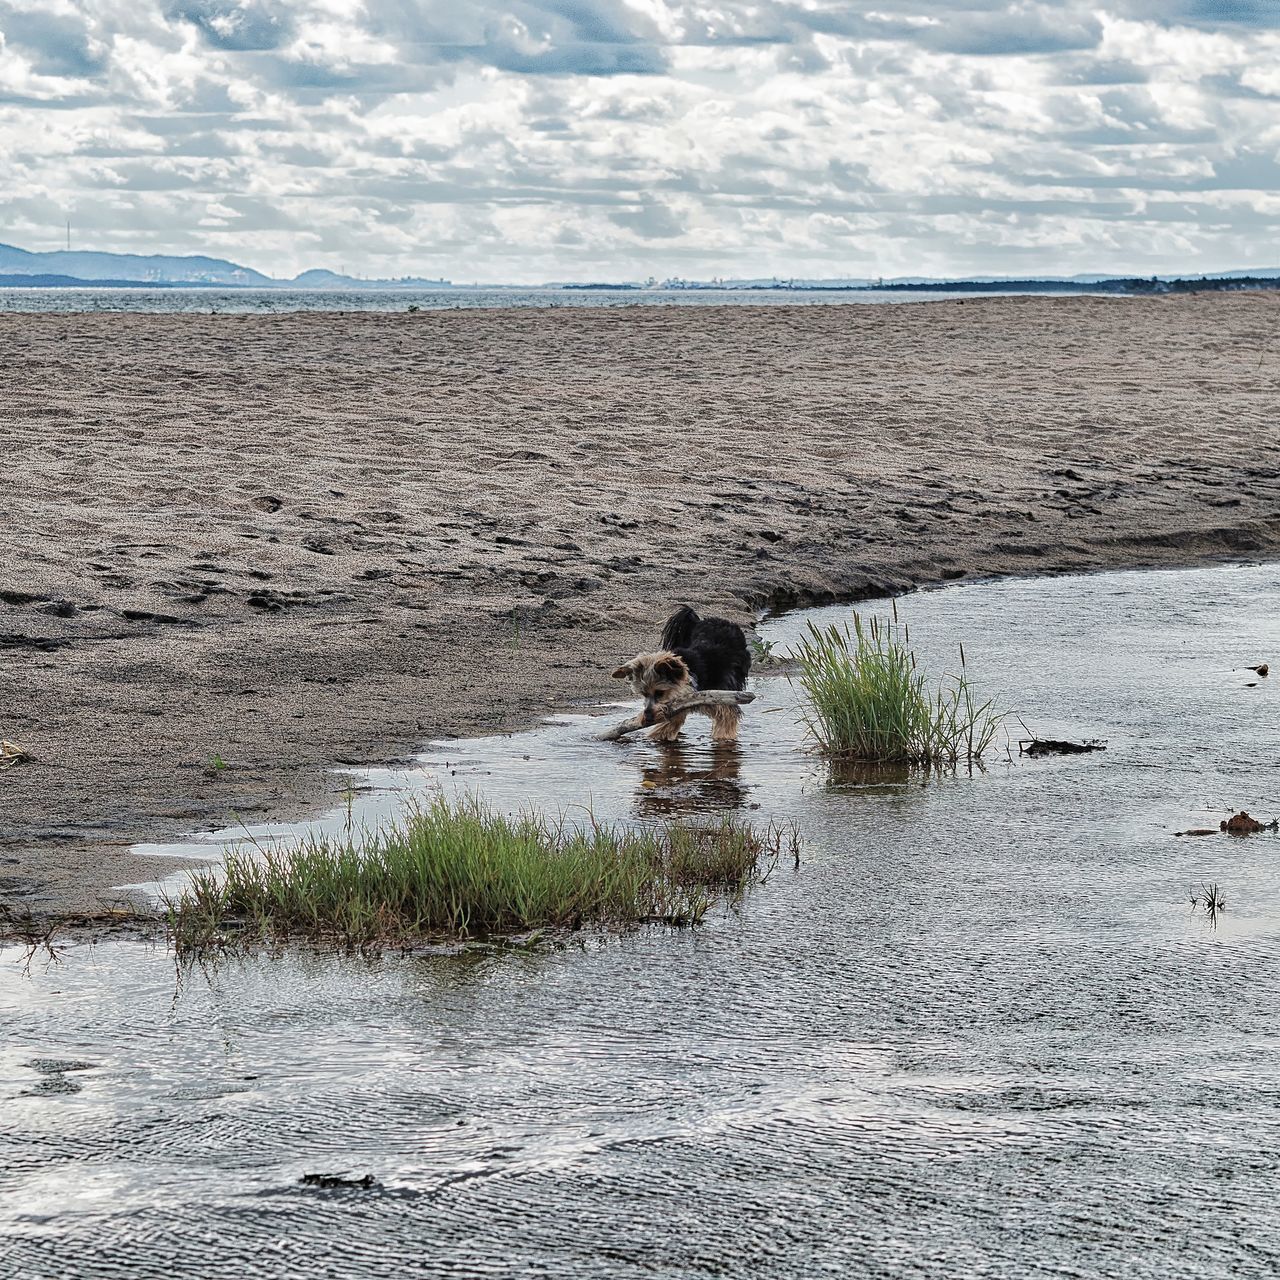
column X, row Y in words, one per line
column 535, row 139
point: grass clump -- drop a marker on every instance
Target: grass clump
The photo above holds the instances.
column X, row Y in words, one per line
column 764, row 653
column 456, row 870
column 867, row 700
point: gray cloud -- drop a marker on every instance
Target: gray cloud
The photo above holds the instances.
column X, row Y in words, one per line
column 1211, row 14
column 979, row 29
column 528, row 37
column 650, row 220
column 58, row 44
column 237, row 24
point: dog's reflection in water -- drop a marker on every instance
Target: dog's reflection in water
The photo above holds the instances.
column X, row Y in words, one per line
column 684, row 780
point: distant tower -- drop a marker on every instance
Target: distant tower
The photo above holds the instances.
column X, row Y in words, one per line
column 68, row 235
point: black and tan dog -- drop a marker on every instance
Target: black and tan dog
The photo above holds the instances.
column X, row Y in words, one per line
column 698, row 653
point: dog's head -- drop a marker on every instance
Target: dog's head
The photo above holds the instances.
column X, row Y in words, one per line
column 655, row 676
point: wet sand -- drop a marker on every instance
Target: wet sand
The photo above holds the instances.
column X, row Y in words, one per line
column 291, row 541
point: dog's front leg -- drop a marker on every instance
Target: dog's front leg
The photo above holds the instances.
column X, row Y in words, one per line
column 724, row 724
column 668, row 730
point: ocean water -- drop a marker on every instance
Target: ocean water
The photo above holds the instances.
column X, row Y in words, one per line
column 269, row 301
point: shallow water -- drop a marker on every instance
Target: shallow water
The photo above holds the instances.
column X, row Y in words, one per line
column 979, row 1031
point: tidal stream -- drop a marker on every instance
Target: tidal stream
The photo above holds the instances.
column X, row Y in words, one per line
column 978, row 1032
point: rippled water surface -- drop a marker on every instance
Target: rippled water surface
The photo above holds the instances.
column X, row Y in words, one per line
column 978, row 1032
column 249, row 301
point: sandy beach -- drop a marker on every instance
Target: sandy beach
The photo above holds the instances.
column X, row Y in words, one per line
column 291, row 541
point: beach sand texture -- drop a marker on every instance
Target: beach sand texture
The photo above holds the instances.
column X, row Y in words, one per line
column 296, row 540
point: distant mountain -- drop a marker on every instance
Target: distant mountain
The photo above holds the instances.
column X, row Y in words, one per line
column 1256, row 273
column 149, row 269
column 72, row 267
column 48, row 281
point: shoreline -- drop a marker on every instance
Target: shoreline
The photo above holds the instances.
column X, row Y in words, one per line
column 88, row 912
column 296, row 541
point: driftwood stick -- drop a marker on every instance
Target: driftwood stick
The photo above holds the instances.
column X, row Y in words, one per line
column 694, row 700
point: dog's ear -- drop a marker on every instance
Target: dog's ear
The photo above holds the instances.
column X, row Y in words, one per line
column 672, row 669
column 625, row 672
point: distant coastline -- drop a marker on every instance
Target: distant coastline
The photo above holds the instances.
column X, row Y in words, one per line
column 1132, row 285
column 67, row 295
column 73, row 282
column 1124, row 287
column 89, row 269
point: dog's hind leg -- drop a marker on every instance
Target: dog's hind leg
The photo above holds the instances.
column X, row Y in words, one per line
column 668, row 730
column 724, row 724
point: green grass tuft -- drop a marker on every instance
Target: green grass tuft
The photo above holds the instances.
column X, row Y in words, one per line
column 866, row 700
column 764, row 653
column 456, row 870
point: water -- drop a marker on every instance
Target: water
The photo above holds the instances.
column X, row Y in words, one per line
column 978, row 1032
column 269, row 301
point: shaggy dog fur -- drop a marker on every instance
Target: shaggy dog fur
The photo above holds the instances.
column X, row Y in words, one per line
column 699, row 653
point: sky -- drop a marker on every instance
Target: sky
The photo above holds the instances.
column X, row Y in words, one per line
column 535, row 140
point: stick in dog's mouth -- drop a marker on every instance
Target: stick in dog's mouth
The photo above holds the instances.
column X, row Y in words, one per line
column 693, row 700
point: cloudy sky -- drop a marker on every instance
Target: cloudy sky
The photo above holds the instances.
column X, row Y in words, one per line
column 585, row 139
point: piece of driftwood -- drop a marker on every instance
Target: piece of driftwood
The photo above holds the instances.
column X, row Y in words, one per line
column 694, row 700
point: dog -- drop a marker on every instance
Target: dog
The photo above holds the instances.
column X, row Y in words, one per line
column 696, row 653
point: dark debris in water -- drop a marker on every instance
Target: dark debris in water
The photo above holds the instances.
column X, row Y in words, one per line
column 1239, row 824
column 338, row 1181
column 1057, row 747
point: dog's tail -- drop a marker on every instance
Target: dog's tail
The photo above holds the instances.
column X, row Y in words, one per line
column 679, row 629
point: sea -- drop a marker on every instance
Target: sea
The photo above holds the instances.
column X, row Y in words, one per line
column 238, row 301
